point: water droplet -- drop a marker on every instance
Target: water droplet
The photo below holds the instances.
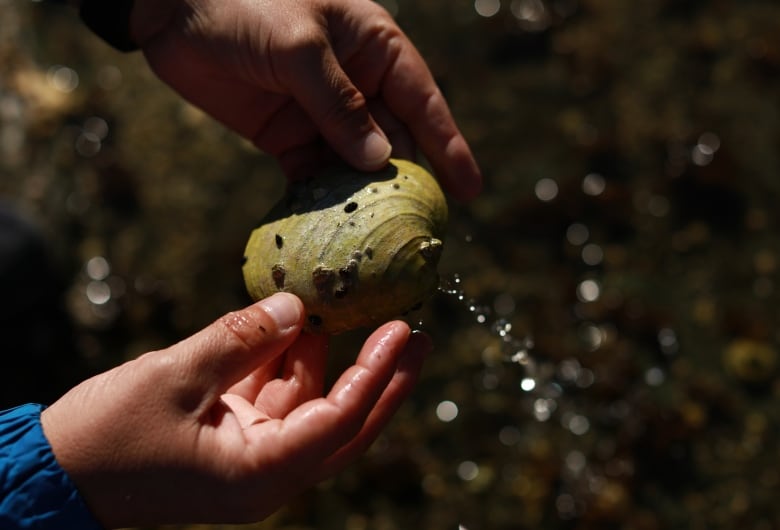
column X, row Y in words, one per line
column 509, row 435
column 710, row 140
column 63, row 78
column 667, row 339
column 502, row 327
column 487, row 8
column 593, row 336
column 701, row 154
column 577, row 234
column 658, row 206
column 446, row 411
column 585, row 378
column 98, row 292
column 588, row 291
column 97, row 126
column 592, row 254
column 520, row 357
column 575, row 461
column 546, row 189
column 88, row 144
column 527, row 384
column 97, row 268
column 543, row 408
column 531, row 14
column 654, row 376
column 576, row 423
column 468, row 470
column 593, row 184
column 569, row 369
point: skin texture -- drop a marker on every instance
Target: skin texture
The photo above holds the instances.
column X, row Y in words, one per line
column 230, row 423
column 308, row 81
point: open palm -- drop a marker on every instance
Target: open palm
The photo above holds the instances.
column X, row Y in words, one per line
column 230, row 423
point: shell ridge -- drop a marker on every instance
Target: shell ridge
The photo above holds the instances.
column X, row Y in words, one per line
column 355, row 247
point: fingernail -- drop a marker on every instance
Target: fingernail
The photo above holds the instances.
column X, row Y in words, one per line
column 284, row 308
column 375, row 150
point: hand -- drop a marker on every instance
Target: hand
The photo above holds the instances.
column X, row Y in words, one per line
column 304, row 78
column 230, row 423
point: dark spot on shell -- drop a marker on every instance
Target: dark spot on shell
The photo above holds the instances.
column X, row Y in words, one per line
column 279, row 241
column 351, row 268
column 348, row 274
column 278, row 273
column 350, row 207
column 315, row 320
column 396, row 185
column 369, row 252
column 323, row 278
column 352, row 223
column 357, row 255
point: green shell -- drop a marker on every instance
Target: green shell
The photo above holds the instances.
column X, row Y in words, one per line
column 358, row 248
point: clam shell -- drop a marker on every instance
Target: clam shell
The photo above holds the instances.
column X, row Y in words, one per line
column 358, row 248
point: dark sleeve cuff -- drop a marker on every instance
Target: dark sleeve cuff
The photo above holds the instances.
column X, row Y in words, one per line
column 110, row 20
column 35, row 492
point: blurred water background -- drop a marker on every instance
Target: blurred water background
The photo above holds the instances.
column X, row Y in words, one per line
column 607, row 342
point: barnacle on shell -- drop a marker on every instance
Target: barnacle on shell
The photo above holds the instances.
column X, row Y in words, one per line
column 358, row 248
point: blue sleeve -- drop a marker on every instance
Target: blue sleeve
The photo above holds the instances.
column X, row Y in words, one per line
column 35, row 492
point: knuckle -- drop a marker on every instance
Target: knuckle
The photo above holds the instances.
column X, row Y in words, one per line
column 348, row 105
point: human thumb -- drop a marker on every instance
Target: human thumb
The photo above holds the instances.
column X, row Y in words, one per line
column 229, row 349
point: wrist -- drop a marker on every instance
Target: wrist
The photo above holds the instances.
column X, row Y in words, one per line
column 36, row 492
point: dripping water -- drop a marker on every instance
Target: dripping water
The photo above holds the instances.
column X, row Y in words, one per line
column 540, row 386
column 514, row 349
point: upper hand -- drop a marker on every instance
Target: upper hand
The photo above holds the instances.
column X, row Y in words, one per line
column 230, row 423
column 305, row 78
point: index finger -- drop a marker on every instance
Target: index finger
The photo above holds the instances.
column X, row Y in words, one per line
column 411, row 93
column 384, row 64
